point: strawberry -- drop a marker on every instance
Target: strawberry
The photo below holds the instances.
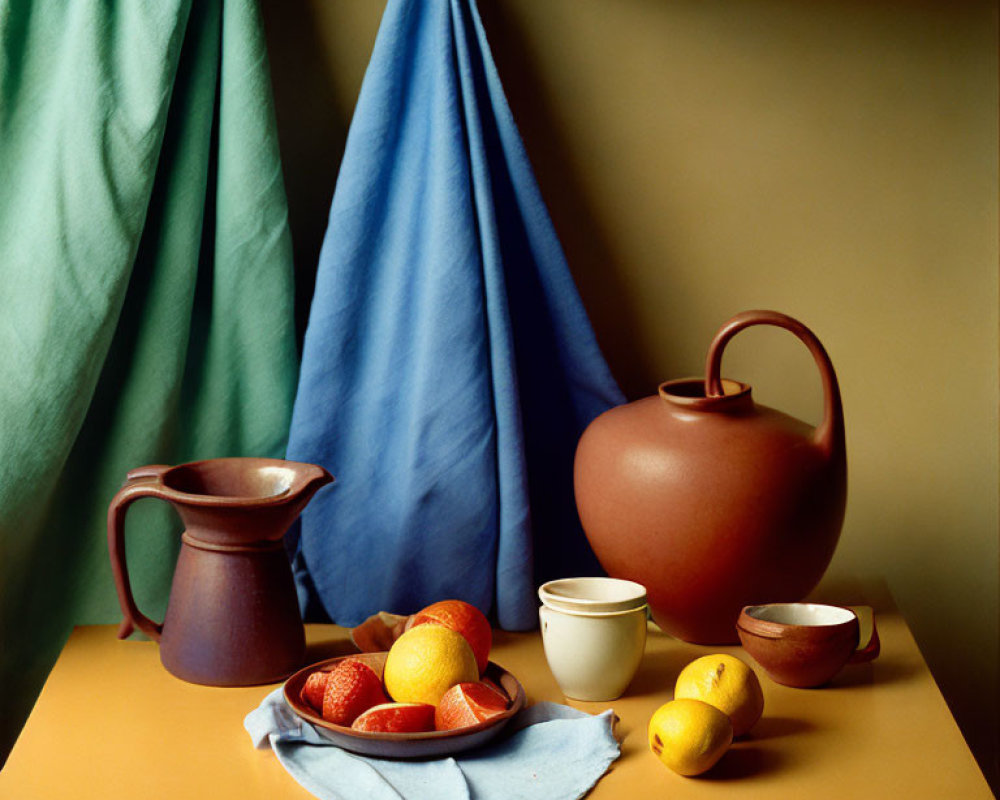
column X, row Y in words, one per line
column 313, row 690
column 352, row 687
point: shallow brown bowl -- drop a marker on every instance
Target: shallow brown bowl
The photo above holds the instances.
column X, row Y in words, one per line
column 404, row 745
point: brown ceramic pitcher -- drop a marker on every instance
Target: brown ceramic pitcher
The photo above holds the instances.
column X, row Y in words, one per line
column 711, row 501
column 233, row 617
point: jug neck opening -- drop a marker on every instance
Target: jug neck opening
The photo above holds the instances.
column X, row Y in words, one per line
column 689, row 393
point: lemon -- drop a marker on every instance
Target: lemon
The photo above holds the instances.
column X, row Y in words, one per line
column 689, row 736
column 425, row 662
column 728, row 684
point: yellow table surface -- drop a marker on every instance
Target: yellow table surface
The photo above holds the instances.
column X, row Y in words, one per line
column 112, row 723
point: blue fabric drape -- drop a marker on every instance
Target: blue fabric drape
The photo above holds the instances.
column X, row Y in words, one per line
column 448, row 366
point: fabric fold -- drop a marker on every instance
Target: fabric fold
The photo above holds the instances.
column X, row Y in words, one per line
column 146, row 314
column 449, row 366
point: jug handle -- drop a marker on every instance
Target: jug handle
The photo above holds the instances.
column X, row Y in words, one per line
column 140, row 482
column 829, row 434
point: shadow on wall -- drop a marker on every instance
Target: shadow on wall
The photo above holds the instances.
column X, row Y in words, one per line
column 312, row 131
column 591, row 259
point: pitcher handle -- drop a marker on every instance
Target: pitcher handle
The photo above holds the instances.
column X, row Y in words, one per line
column 829, row 433
column 140, row 482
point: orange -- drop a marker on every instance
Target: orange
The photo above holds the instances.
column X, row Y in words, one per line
column 467, row 704
column 464, row 618
column 396, row 718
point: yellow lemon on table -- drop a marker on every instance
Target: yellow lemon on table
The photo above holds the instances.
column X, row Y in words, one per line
column 728, row 684
column 425, row 662
column 689, row 736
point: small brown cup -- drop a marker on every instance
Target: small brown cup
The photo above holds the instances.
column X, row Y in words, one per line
column 804, row 644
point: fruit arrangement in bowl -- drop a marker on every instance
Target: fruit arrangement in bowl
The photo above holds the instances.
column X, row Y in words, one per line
column 433, row 692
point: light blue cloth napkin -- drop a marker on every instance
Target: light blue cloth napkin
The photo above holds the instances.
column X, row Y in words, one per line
column 449, row 366
column 548, row 751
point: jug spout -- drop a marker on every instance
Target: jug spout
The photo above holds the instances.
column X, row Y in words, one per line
column 309, row 479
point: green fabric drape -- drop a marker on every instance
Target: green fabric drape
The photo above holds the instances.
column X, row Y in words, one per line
column 146, row 294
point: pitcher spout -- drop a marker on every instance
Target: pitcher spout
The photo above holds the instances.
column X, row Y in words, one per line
column 309, row 479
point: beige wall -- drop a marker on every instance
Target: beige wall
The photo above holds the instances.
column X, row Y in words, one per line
column 833, row 160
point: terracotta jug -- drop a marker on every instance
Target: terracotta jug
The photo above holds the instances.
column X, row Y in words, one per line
column 233, row 616
column 711, row 501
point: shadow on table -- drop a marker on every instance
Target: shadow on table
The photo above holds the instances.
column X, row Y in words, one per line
column 882, row 671
column 331, row 648
column 658, row 671
column 753, row 755
column 745, row 760
column 775, row 728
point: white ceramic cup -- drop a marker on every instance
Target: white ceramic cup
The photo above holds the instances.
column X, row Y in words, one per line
column 593, row 655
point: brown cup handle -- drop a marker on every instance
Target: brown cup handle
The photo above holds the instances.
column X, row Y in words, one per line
column 870, row 651
column 830, row 432
column 141, row 482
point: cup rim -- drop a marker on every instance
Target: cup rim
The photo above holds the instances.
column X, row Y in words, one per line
column 593, row 614
column 592, row 594
column 817, row 616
